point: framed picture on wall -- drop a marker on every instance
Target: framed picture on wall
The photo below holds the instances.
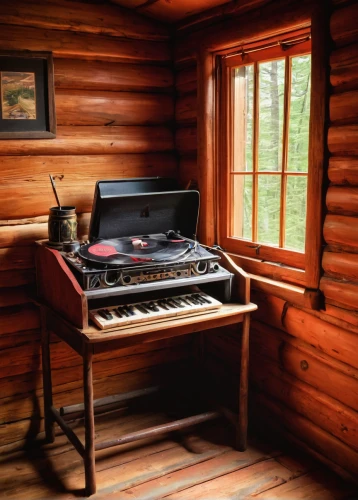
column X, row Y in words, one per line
column 27, row 106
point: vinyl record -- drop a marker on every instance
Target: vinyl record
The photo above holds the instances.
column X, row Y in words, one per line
column 134, row 251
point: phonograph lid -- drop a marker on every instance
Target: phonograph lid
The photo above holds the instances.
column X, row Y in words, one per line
column 125, row 208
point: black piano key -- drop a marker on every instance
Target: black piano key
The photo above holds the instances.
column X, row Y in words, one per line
column 176, row 302
column 162, row 305
column 200, row 299
column 123, row 311
column 205, row 299
column 130, row 310
column 142, row 309
column 184, row 300
column 105, row 314
column 118, row 312
column 192, row 300
column 152, row 306
column 170, row 303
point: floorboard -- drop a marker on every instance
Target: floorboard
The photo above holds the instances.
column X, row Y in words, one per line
column 196, row 464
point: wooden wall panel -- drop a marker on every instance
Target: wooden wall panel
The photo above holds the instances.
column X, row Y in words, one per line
column 115, row 113
column 303, row 361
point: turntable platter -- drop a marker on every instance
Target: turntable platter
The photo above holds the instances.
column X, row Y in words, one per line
column 132, row 251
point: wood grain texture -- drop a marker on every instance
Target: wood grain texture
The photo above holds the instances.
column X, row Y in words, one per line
column 344, row 265
column 268, row 21
column 317, row 156
column 186, row 109
column 343, row 25
column 343, row 140
column 186, row 140
column 81, row 45
column 329, row 376
column 82, row 140
column 25, row 181
column 343, row 171
column 79, row 107
column 322, row 410
column 344, row 68
column 111, row 76
column 315, row 437
column 340, row 291
column 344, row 107
column 342, row 200
column 68, row 16
column 333, row 340
column 341, row 230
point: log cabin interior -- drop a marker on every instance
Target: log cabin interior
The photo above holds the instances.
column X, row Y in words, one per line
column 254, row 103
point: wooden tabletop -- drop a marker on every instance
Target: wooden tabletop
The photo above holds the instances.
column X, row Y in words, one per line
column 225, row 315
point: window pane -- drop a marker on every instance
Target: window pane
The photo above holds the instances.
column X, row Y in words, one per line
column 269, row 188
column 242, row 206
column 243, row 117
column 271, row 104
column 296, row 196
column 299, row 114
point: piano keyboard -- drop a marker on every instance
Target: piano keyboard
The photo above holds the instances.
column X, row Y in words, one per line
column 153, row 310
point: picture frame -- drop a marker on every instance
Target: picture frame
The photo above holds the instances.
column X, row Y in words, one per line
column 27, row 101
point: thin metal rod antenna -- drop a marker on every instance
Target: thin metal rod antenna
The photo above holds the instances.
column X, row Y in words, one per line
column 54, row 190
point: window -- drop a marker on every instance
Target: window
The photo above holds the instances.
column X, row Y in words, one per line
column 264, row 119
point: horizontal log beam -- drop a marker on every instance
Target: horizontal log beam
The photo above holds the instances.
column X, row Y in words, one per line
column 186, row 140
column 98, row 19
column 16, row 296
column 334, row 378
column 94, row 141
column 186, row 109
column 79, row 45
column 111, row 76
column 342, row 200
column 312, row 328
column 343, row 140
column 16, row 278
column 22, row 257
column 88, row 107
column 343, row 26
column 344, row 108
column 340, row 291
column 343, row 171
column 281, row 417
column 186, row 80
column 344, row 68
column 341, row 230
column 75, row 178
column 17, row 318
column 341, row 265
column 304, row 399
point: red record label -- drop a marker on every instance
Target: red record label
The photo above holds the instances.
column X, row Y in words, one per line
column 102, row 250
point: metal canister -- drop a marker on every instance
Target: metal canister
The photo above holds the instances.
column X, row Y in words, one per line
column 62, row 226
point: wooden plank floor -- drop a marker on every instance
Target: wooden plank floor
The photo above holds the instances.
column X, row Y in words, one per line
column 196, row 465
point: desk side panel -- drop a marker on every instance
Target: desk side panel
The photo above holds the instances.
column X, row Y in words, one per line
column 58, row 288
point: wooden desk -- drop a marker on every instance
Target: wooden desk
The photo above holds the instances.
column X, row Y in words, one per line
column 91, row 341
column 65, row 306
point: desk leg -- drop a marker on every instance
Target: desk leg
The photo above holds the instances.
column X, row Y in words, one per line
column 241, row 432
column 47, row 379
column 89, row 457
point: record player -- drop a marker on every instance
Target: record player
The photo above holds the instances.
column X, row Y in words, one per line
column 142, row 237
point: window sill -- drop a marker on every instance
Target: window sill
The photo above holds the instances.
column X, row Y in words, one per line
column 281, row 281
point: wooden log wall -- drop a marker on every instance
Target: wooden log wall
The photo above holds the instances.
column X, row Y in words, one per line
column 304, row 370
column 114, row 98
